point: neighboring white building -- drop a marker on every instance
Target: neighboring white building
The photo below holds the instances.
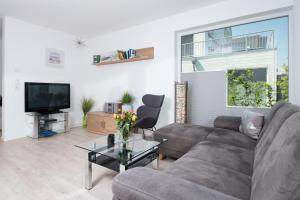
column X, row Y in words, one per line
column 255, row 50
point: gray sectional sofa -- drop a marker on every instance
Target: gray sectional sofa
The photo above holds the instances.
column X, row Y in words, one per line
column 222, row 163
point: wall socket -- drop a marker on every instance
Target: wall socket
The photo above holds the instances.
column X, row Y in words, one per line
column 17, row 84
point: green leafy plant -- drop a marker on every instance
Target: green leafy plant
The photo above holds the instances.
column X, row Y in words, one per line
column 125, row 123
column 127, row 98
column 269, row 93
column 244, row 91
column 86, row 105
column 283, row 85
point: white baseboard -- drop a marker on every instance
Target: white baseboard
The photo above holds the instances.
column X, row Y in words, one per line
column 76, row 125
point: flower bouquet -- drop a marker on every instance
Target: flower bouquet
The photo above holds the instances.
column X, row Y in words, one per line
column 125, row 123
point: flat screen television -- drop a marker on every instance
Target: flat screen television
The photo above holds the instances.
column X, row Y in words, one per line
column 46, row 97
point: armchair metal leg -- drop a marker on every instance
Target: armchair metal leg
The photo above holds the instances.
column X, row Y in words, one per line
column 152, row 129
column 143, row 133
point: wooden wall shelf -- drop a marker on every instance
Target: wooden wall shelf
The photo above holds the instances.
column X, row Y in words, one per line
column 141, row 54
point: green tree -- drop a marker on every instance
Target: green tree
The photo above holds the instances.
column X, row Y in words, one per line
column 283, row 85
column 244, row 91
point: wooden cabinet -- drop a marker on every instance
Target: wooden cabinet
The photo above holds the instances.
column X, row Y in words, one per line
column 101, row 123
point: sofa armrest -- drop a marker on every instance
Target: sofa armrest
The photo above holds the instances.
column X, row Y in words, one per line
column 148, row 184
column 228, row 122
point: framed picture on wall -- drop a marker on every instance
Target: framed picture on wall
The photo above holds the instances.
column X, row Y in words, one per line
column 55, row 58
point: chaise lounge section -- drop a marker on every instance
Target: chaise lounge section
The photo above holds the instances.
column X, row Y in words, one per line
column 222, row 163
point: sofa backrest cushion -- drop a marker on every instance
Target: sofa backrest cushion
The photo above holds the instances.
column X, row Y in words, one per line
column 270, row 116
column 274, row 125
column 277, row 176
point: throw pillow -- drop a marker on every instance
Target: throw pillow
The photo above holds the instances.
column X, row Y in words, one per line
column 252, row 123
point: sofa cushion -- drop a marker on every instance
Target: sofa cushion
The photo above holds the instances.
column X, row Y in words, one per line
column 212, row 176
column 252, row 123
column 225, row 155
column 228, row 122
column 277, row 176
column 270, row 115
column 233, row 138
column 265, row 141
column 148, row 184
column 181, row 137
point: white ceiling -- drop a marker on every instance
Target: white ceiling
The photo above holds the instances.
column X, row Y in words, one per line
column 87, row 18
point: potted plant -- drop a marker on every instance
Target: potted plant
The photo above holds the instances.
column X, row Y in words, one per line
column 86, row 104
column 125, row 123
column 126, row 101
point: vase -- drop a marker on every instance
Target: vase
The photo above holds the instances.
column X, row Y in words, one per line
column 124, row 137
column 126, row 142
column 126, row 107
column 84, row 121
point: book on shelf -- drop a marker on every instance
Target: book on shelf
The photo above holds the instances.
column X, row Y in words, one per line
column 114, row 56
column 121, row 55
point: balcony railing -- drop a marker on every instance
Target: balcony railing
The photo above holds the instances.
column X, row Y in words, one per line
column 229, row 45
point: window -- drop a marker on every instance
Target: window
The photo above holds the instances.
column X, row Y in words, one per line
column 254, row 55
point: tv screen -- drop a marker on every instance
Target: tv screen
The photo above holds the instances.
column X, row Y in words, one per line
column 46, row 97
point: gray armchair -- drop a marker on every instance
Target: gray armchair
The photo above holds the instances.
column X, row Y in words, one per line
column 148, row 113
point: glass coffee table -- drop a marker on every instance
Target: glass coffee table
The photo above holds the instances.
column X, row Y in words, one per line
column 115, row 155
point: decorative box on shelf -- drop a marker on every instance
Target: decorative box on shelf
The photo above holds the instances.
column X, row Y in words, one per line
column 101, row 123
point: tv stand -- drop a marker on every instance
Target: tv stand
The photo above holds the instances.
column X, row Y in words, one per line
column 42, row 124
column 49, row 112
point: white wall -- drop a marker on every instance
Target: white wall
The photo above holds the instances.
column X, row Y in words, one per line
column 294, row 73
column 1, row 74
column 0, row 66
column 24, row 60
column 106, row 83
column 25, row 44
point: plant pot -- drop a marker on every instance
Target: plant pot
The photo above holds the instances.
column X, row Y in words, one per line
column 84, row 121
column 126, row 107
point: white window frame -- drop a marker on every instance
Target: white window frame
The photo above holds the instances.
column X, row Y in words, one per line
column 236, row 22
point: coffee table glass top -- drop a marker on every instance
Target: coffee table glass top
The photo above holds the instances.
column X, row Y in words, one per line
column 137, row 145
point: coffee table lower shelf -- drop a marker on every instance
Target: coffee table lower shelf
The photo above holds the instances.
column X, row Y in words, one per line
column 152, row 155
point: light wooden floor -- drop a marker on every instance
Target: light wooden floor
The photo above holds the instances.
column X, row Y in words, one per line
column 51, row 169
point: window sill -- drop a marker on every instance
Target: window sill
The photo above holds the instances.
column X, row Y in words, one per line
column 247, row 107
